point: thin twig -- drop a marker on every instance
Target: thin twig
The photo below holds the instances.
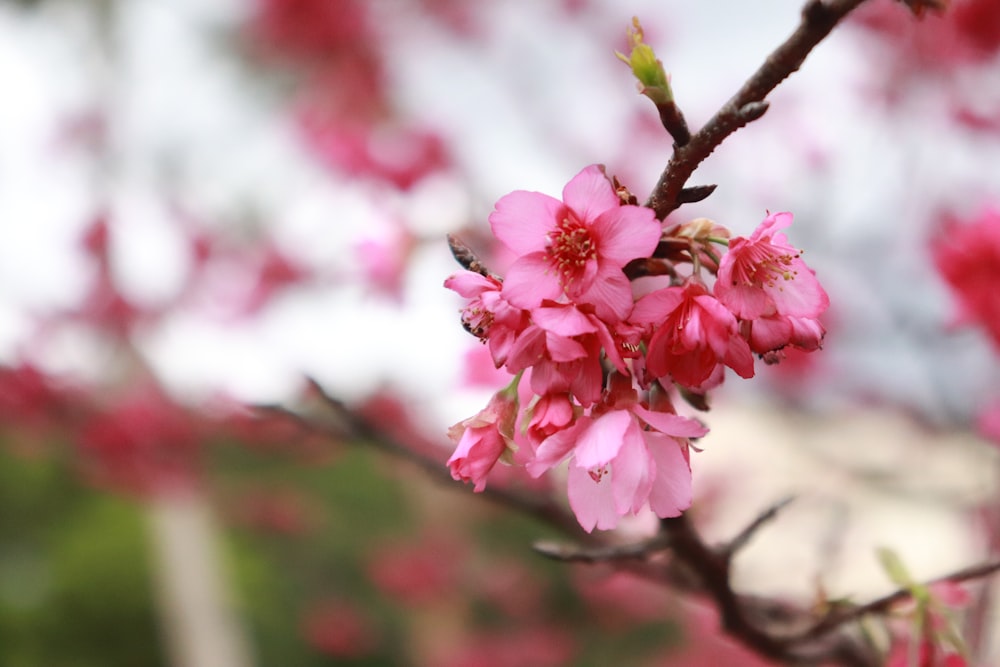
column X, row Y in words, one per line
column 747, row 533
column 840, row 616
column 818, row 19
column 573, row 553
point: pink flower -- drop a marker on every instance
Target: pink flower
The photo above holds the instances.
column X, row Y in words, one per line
column 488, row 315
column 764, row 275
column 987, row 421
column 693, row 336
column 484, row 438
column 619, row 466
column 549, row 414
column 968, row 258
column 576, row 247
column 563, row 347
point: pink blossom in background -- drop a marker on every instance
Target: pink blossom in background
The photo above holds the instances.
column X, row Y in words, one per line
column 145, row 443
column 575, row 248
column 338, row 629
column 967, row 32
column 418, row 572
column 988, row 422
column 384, row 261
column 540, row 646
column 967, row 255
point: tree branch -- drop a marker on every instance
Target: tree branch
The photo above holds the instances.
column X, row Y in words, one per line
column 747, row 105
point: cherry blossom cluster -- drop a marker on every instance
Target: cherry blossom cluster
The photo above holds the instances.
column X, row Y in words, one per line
column 606, row 315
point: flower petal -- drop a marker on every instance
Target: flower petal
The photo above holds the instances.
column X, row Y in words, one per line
column 592, row 500
column 600, row 443
column 671, row 492
column 523, row 219
column 589, row 194
column 626, row 232
column 530, row 281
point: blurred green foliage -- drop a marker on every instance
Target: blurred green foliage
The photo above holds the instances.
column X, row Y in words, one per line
column 76, row 581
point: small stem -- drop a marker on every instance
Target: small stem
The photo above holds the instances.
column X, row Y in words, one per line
column 818, row 19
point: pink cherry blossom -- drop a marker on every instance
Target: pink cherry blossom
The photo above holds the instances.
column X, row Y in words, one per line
column 548, row 414
column 622, row 460
column 764, row 275
column 574, row 248
column 484, row 438
column 968, row 258
column 488, row 315
column 693, row 336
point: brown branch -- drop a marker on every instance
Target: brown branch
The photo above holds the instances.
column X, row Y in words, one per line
column 747, row 105
column 349, row 425
column 571, row 553
column 747, row 533
column 839, row 616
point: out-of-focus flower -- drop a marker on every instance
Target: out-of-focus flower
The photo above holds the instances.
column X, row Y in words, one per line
column 143, row 444
column 967, row 255
column 338, row 629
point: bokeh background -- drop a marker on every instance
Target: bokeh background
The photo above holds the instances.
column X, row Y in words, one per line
column 204, row 203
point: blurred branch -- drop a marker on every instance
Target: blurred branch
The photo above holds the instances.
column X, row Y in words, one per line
column 351, row 425
column 571, row 553
column 819, row 17
column 763, row 518
column 838, row 616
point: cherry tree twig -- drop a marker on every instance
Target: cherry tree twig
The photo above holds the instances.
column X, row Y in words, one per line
column 819, row 17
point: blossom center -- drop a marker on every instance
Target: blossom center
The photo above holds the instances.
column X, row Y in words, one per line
column 597, row 474
column 570, row 246
column 764, row 267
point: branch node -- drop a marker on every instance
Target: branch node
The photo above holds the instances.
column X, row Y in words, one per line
column 464, row 255
column 695, row 193
column 751, row 111
column 571, row 553
column 674, row 123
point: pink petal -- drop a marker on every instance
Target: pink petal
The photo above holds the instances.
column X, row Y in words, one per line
column 470, row 284
column 739, row 357
column 523, row 219
column 592, row 501
column 565, row 320
column 600, row 443
column 625, row 233
column 530, row 281
column 671, row 424
column 632, row 473
column 770, row 333
column 771, row 224
column 589, row 194
column 556, row 447
column 610, row 294
column 528, row 349
column 671, row 492
column 802, row 295
column 562, row 349
column 744, row 301
column 655, row 306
